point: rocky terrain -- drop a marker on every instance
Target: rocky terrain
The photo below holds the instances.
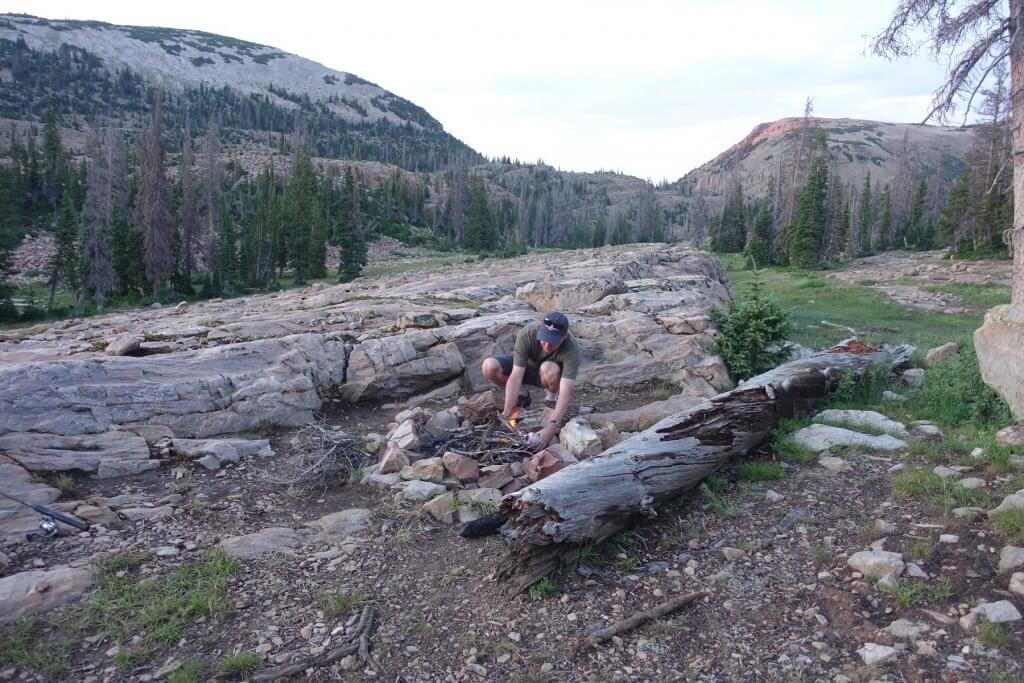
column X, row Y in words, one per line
column 856, row 146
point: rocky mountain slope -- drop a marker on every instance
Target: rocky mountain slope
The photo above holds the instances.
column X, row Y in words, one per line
column 89, row 68
column 856, row 148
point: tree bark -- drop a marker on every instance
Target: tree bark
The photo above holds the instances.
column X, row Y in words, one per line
column 1017, row 120
column 590, row 501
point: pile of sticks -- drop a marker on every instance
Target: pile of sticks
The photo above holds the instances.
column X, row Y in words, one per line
column 495, row 442
column 318, row 455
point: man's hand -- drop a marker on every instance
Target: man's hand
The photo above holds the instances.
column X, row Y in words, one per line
column 543, row 437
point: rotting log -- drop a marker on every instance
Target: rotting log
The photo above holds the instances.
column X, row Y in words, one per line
column 590, row 501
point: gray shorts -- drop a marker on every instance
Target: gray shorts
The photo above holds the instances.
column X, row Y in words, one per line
column 532, row 375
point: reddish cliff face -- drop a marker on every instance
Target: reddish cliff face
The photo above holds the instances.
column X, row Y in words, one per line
column 762, row 133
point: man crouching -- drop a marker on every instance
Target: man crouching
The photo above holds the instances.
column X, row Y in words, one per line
column 546, row 356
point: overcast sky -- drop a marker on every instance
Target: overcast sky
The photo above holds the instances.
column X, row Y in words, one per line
column 650, row 88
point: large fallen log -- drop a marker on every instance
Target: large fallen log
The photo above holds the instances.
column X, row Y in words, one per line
column 590, row 501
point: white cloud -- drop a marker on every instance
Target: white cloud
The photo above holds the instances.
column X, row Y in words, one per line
column 650, row 87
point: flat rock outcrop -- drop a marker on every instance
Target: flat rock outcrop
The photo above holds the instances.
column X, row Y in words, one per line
column 223, row 367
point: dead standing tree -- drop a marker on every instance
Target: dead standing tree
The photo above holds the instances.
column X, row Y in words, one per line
column 976, row 36
column 592, row 500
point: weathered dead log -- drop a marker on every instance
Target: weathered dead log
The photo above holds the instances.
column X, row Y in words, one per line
column 590, row 501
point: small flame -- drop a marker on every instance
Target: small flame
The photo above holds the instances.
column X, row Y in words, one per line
column 513, row 419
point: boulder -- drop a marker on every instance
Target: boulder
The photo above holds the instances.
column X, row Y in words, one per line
column 428, row 469
column 420, row 491
column 820, row 438
column 338, row 525
column 1000, row 346
column 393, row 460
column 441, row 423
column 1000, row 612
column 40, row 590
column 424, row 319
column 1017, row 584
column 124, row 345
column 377, row 480
column 904, row 629
column 118, row 451
column 877, row 563
column 223, row 450
column 442, row 508
column 873, row 654
column 940, row 354
column 483, row 496
column 1014, row 501
column 928, row 432
column 569, row 294
column 495, row 476
column 97, row 514
column 406, row 436
column 1011, row 437
column 914, row 377
column 138, row 514
column 862, row 419
column 580, row 439
column 462, row 468
column 834, row 464
column 542, row 465
column 972, row 483
column 1011, row 558
column 272, row 540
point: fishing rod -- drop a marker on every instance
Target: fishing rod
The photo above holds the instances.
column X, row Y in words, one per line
column 50, row 517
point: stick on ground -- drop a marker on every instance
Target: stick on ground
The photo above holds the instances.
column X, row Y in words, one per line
column 639, row 618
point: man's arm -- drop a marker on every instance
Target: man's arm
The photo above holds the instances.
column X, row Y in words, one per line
column 512, row 386
column 565, row 389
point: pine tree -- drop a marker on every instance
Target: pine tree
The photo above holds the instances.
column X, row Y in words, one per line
column 884, row 221
column 304, row 217
column 807, row 233
column 351, row 234
column 188, row 210
column 843, row 230
column 227, row 268
column 152, row 204
column 729, row 231
column 479, row 234
column 865, row 219
column 10, row 219
column 54, row 168
column 64, row 264
column 955, row 210
column 917, row 228
column 760, row 248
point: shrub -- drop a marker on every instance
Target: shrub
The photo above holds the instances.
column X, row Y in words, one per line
column 751, row 334
column 954, row 394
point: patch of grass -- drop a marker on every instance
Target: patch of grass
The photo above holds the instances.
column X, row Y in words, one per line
column 241, row 665
column 914, row 482
column 716, row 483
column 1010, row 525
column 920, row 549
column 669, row 542
column 423, row 628
column 855, row 393
column 922, row 449
column 189, row 672
column 824, row 554
column 628, row 565
column 846, row 424
column 65, row 483
column 976, row 294
column 812, row 282
column 662, row 389
column 993, row 635
column 356, row 475
column 1005, row 677
column 953, row 495
column 339, row 603
column 905, row 592
column 761, row 471
column 717, row 504
column 954, row 394
column 543, row 589
column 26, row 646
column 123, row 561
column 941, row 591
column 159, row 609
column 788, row 450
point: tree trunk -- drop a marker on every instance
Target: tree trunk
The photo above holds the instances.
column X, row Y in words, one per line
column 1017, row 119
column 591, row 501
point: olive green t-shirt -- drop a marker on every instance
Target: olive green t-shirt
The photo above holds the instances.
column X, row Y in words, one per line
column 527, row 351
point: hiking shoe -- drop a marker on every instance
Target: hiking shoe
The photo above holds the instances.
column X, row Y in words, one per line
column 524, row 401
column 550, row 400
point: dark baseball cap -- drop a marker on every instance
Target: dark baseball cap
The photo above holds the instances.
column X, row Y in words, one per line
column 554, row 328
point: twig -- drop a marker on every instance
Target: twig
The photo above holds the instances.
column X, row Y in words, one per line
column 639, row 618
column 358, row 643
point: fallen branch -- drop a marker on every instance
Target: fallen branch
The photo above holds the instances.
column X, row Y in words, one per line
column 590, row 501
column 630, row 623
column 358, row 643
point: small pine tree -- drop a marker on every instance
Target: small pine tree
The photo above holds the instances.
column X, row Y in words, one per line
column 65, row 262
column 865, row 218
column 351, row 233
column 227, row 270
column 305, row 217
column 751, row 335
column 479, row 234
column 760, row 248
column 807, row 233
column 917, row 229
column 843, row 231
column 884, row 221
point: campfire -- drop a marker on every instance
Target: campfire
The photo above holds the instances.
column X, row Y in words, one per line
column 490, row 441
